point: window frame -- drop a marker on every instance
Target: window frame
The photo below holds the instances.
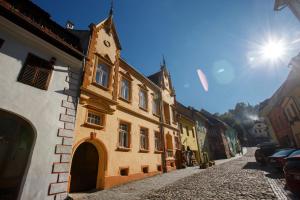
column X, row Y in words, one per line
column 145, row 150
column 100, row 60
column 157, row 103
column 129, row 89
column 160, row 149
column 123, row 148
column 95, row 126
column 46, row 66
column 146, row 99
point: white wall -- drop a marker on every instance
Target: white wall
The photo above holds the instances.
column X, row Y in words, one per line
column 42, row 108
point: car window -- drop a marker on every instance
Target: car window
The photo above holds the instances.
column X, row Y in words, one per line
column 295, row 153
column 283, row 152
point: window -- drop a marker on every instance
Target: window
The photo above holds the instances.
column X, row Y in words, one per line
column 102, row 75
column 144, row 139
column 187, row 130
column 124, row 135
column 125, row 89
column 193, row 132
column 289, row 114
column 157, row 141
column 155, row 107
column 176, row 142
column 36, row 72
column 294, row 110
column 174, row 115
column 145, row 169
column 124, row 171
column 94, row 119
column 159, row 168
column 181, row 128
column 143, row 99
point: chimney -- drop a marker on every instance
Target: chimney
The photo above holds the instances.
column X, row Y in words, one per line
column 69, row 25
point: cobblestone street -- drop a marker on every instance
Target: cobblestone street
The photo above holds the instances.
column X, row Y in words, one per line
column 240, row 178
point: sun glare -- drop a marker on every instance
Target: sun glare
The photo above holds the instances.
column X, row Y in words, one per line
column 273, row 50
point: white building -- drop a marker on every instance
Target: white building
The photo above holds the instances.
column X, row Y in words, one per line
column 260, row 129
column 40, row 66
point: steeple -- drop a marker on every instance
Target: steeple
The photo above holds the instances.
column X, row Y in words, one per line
column 163, row 64
column 111, row 11
column 109, row 20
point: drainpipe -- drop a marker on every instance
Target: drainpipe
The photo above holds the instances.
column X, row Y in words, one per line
column 196, row 131
column 161, row 121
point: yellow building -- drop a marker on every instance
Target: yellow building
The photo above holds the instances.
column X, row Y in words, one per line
column 188, row 134
column 120, row 130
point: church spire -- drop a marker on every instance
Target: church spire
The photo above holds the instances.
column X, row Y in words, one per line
column 111, row 11
column 163, row 64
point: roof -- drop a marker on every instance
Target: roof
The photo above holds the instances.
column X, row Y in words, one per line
column 35, row 20
column 183, row 110
column 84, row 36
column 212, row 120
column 280, row 4
column 155, row 78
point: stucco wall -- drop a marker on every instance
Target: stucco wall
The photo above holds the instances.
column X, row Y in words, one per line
column 41, row 108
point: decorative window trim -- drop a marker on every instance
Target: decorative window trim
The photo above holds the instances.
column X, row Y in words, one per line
column 95, row 126
column 146, row 98
column 160, row 150
column 98, row 60
column 122, row 148
column 147, row 149
column 130, row 89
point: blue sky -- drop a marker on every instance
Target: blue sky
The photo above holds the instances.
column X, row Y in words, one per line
column 219, row 37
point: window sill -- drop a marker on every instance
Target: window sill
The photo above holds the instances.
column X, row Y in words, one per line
column 99, row 127
column 144, row 150
column 158, row 151
column 144, row 109
column 125, row 149
column 157, row 115
column 100, row 86
column 125, row 100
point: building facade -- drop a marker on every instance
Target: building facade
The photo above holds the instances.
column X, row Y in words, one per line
column 125, row 125
column 217, row 140
column 188, row 131
column 40, row 71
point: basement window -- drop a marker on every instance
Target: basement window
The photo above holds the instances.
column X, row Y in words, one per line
column 145, row 170
column 159, row 168
column 124, row 171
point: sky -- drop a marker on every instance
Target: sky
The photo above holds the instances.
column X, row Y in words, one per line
column 221, row 38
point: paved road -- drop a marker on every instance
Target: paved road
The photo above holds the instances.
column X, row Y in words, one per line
column 240, row 178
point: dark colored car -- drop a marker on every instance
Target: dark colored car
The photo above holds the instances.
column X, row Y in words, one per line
column 264, row 151
column 292, row 172
column 277, row 160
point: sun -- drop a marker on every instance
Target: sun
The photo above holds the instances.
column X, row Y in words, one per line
column 273, row 50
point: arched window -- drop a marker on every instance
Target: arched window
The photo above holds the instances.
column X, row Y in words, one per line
column 102, row 75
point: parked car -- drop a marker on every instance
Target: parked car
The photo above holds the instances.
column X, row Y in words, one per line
column 277, row 160
column 264, row 151
column 292, row 172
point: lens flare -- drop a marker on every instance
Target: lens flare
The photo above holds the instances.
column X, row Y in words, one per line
column 202, row 79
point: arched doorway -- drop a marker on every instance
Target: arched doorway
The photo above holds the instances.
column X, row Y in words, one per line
column 84, row 168
column 16, row 141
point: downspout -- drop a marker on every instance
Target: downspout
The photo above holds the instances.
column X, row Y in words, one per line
column 161, row 121
column 196, row 130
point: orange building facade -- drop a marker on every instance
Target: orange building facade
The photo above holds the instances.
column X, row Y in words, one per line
column 126, row 127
